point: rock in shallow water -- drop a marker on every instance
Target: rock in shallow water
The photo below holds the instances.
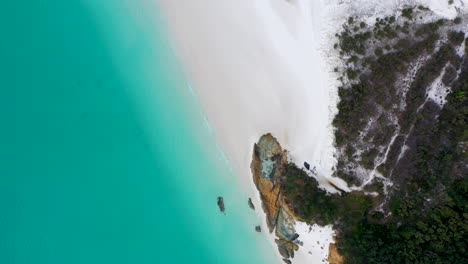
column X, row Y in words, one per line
column 221, row 204
column 258, row 228
column 251, row 205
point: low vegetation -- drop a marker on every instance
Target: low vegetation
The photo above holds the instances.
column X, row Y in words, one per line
column 412, row 235
column 387, row 123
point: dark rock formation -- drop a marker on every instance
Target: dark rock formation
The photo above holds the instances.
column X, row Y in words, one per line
column 307, row 165
column 221, row 204
column 283, row 251
column 294, row 237
column 251, row 205
column 287, row 261
column 286, row 247
column 258, row 228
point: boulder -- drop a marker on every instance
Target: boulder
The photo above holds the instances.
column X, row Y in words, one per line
column 295, row 236
column 221, row 204
column 251, row 205
column 286, row 246
column 283, row 251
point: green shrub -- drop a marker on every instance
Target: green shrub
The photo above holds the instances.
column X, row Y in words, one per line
column 407, row 12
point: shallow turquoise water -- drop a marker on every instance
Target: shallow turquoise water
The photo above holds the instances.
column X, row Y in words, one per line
column 104, row 155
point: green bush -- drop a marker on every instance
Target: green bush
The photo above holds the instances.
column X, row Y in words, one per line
column 407, row 12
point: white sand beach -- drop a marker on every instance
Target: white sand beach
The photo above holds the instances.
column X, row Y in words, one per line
column 257, row 67
column 261, row 66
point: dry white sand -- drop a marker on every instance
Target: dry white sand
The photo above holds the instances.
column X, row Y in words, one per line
column 261, row 66
column 257, row 67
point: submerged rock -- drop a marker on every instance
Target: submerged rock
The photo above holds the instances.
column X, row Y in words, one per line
column 251, row 205
column 287, row 261
column 221, row 204
column 258, row 228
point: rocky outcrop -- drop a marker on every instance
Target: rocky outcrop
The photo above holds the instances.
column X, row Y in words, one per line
column 267, row 160
column 267, row 164
column 286, row 247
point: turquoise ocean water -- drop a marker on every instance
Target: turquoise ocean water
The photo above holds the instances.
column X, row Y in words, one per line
column 104, row 154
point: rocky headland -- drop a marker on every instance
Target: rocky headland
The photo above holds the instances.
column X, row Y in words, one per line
column 268, row 164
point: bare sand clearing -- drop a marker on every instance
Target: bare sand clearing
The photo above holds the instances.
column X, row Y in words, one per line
column 261, row 66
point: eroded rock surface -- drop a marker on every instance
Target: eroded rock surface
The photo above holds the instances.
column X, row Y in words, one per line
column 267, row 163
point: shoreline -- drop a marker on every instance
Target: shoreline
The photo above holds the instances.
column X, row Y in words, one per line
column 296, row 240
column 246, row 84
column 248, row 72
